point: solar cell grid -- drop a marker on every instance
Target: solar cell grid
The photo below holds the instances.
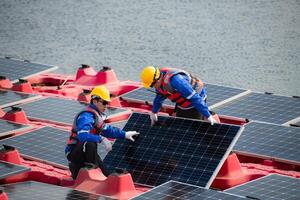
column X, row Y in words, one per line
column 35, row 190
column 17, row 69
column 45, row 144
column 9, row 98
column 176, row 149
column 60, row 110
column 262, row 107
column 8, row 127
column 9, row 169
column 269, row 187
column 270, row 140
column 178, row 190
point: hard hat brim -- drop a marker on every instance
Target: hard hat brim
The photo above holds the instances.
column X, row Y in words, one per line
column 146, row 85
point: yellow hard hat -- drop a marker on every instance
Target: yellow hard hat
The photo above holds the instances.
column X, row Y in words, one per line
column 148, row 75
column 101, row 92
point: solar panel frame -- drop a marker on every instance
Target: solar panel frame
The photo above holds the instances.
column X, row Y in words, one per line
column 46, row 145
column 9, row 97
column 178, row 190
column 29, row 190
column 262, row 107
column 8, row 124
column 9, row 169
column 61, row 111
column 269, row 187
column 117, row 150
column 270, row 141
column 20, row 65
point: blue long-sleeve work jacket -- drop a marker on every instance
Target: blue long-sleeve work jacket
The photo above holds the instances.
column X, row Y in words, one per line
column 85, row 123
column 181, row 84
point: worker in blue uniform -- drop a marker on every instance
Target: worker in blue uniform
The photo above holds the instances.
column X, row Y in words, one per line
column 88, row 130
column 180, row 87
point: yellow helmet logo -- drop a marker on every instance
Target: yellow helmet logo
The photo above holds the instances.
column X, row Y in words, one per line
column 101, row 92
column 148, row 75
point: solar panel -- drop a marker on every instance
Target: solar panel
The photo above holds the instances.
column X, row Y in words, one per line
column 270, row 140
column 262, row 107
column 269, row 187
column 9, row 98
column 185, row 150
column 216, row 95
column 35, row 190
column 8, row 127
column 178, row 190
column 9, row 169
column 46, row 144
column 17, row 69
column 60, row 110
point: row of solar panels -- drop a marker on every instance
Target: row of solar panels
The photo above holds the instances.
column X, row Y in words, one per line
column 237, row 103
column 189, row 150
column 17, row 69
column 275, row 187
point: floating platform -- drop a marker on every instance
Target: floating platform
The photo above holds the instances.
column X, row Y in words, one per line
column 252, row 152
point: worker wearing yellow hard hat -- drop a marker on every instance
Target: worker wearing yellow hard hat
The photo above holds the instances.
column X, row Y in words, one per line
column 182, row 88
column 88, row 130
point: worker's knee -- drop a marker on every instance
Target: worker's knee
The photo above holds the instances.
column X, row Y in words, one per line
column 88, row 146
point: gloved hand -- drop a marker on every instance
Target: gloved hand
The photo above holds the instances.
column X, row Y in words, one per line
column 212, row 120
column 107, row 144
column 129, row 134
column 153, row 118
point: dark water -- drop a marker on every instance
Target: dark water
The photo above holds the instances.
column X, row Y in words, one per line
column 240, row 43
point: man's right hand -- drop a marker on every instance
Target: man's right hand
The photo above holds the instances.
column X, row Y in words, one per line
column 153, row 118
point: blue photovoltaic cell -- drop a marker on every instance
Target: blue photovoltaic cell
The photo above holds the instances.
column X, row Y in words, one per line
column 17, row 69
column 60, row 110
column 177, row 149
column 9, row 98
column 262, row 107
column 45, row 144
column 273, row 187
column 7, row 127
column 177, row 190
column 9, row 169
column 30, row 190
column 215, row 94
column 270, row 140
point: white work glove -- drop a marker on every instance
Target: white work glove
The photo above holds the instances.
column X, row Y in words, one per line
column 129, row 134
column 153, row 118
column 211, row 120
column 107, row 144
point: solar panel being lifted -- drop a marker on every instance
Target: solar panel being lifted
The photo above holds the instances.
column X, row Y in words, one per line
column 281, row 143
column 9, row 98
column 35, row 190
column 8, row 127
column 177, row 190
column 269, row 187
column 9, row 169
column 46, row 144
column 262, row 107
column 17, row 69
column 215, row 95
column 60, row 110
column 177, row 149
